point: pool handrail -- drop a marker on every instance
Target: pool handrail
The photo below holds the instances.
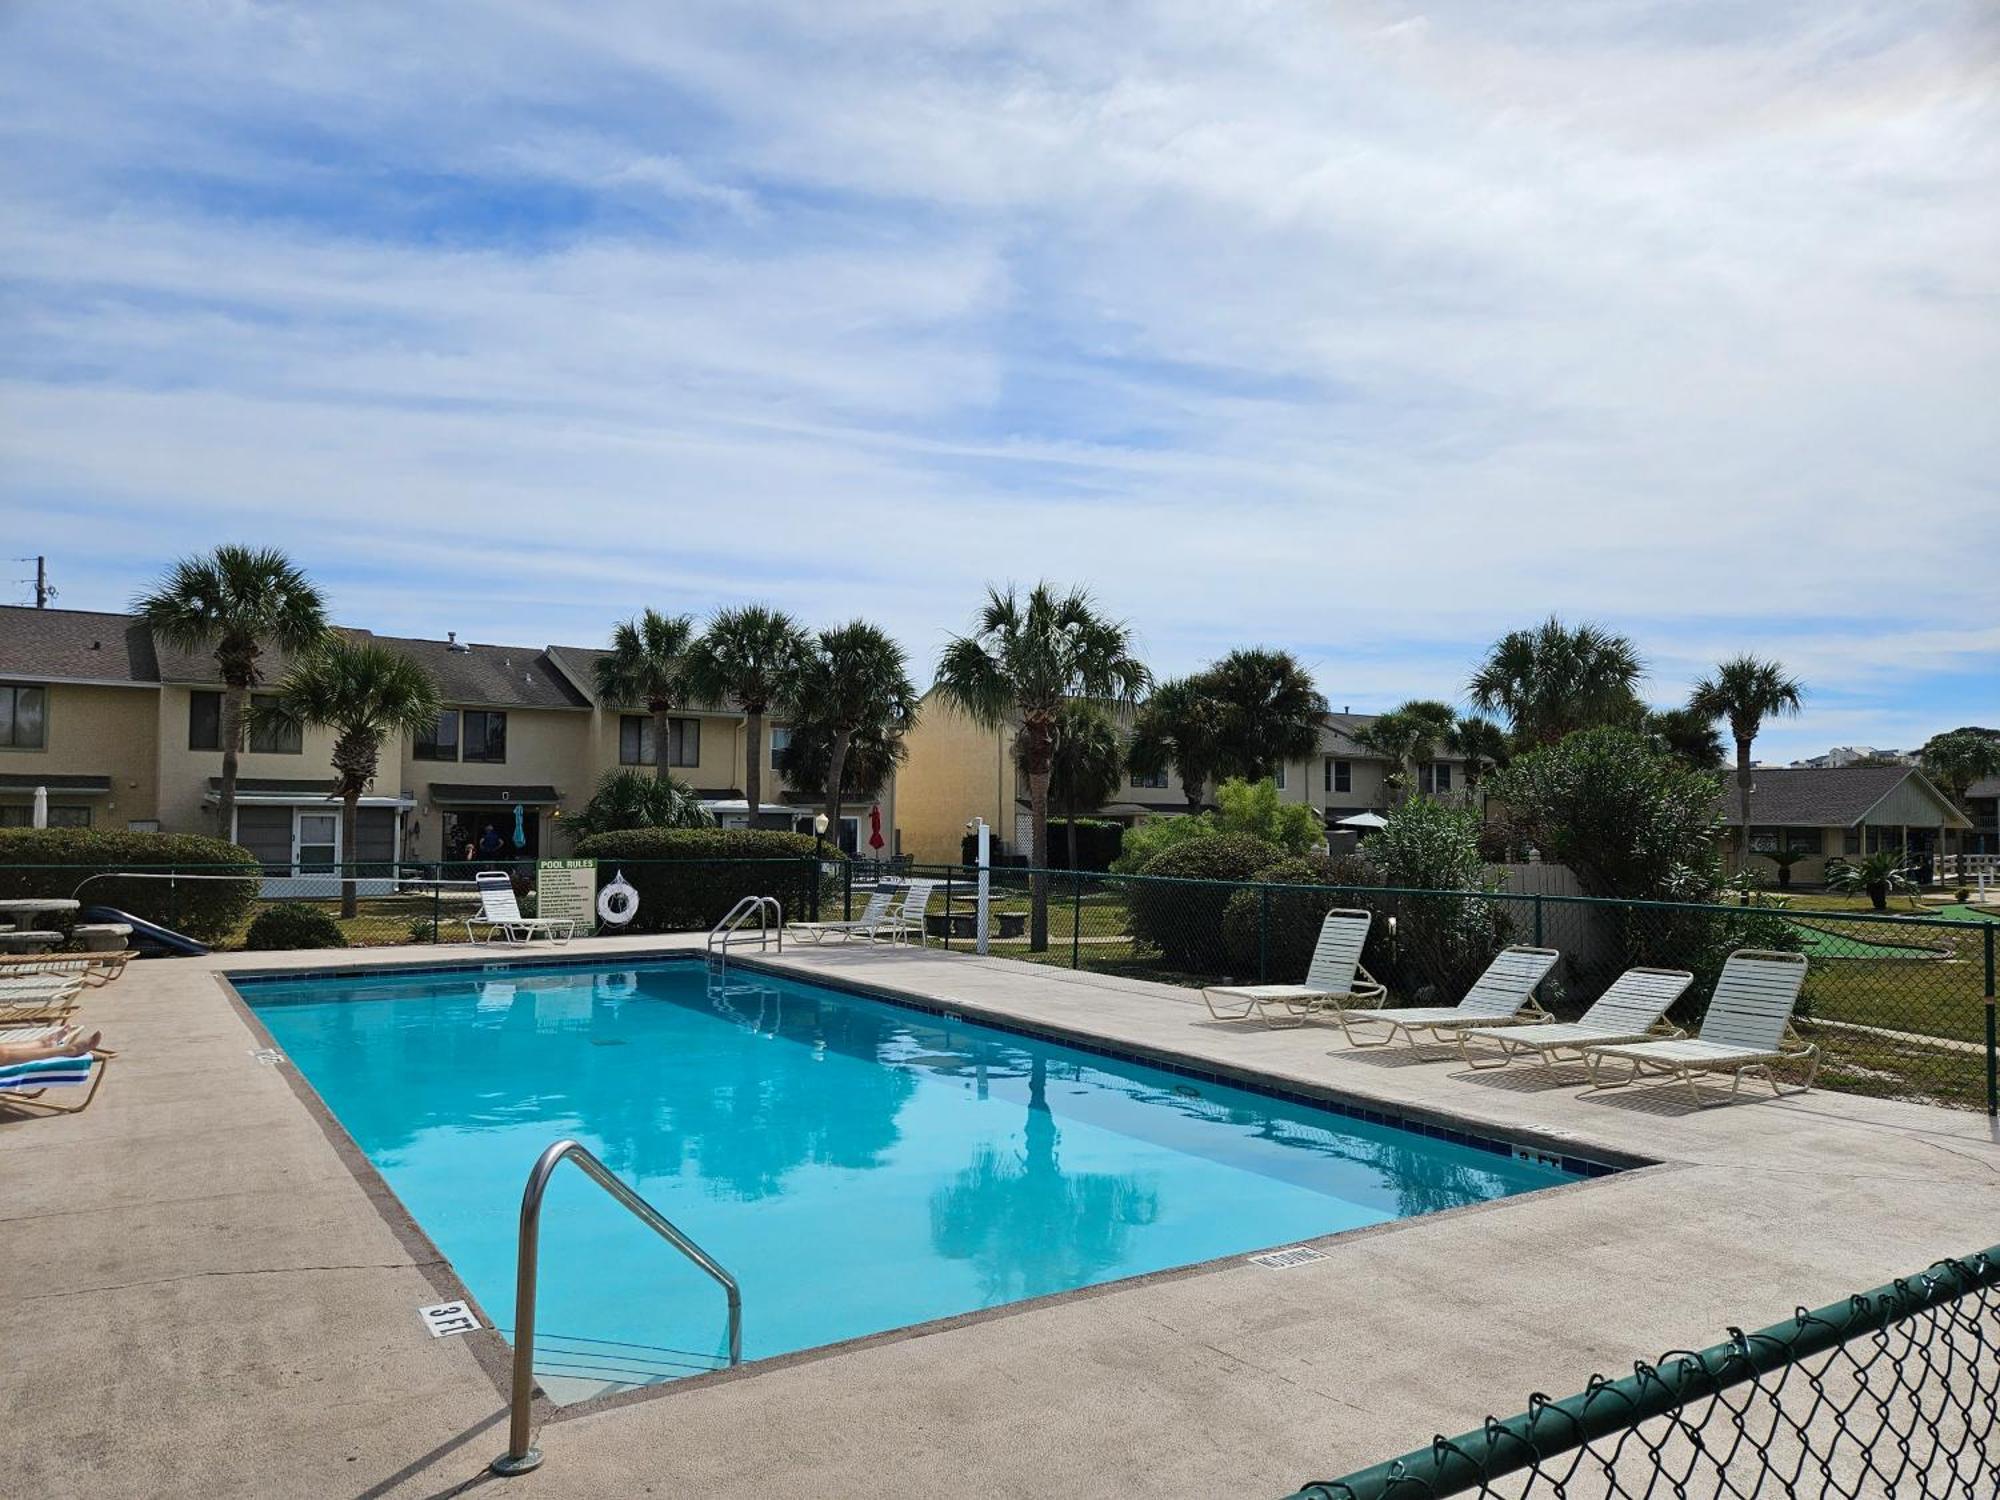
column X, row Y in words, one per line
column 522, row 1455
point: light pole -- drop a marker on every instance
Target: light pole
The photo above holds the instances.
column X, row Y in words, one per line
column 819, row 869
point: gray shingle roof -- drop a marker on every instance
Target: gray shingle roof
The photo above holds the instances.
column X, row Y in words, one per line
column 499, row 676
column 1985, row 786
column 72, row 644
column 1814, row 796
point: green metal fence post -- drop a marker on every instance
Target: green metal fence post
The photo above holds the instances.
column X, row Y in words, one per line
column 1076, row 920
column 437, row 906
column 1992, row 1040
column 847, row 890
column 947, row 909
column 1538, row 919
column 1263, row 934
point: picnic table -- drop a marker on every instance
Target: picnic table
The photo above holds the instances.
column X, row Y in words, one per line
column 30, row 906
column 27, row 937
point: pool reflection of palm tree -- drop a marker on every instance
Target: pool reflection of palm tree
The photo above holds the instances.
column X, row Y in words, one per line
column 1029, row 1227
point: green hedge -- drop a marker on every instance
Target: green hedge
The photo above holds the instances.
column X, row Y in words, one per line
column 1098, row 841
column 1285, row 929
column 1184, row 920
column 207, row 910
column 293, row 924
column 688, row 878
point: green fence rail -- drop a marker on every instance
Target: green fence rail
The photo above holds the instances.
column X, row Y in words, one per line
column 1892, row 1392
column 1900, row 1005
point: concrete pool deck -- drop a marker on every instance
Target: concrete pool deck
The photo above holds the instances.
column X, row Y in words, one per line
column 204, row 1297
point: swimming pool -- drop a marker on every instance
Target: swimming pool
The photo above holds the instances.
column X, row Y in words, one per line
column 859, row 1165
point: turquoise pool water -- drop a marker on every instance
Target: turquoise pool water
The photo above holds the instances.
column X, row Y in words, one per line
column 858, row 1165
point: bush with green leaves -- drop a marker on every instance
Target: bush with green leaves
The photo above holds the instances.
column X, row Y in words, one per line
column 1249, row 809
column 638, row 799
column 689, row 878
column 1428, row 845
column 56, row 862
column 1273, row 931
column 290, row 925
column 1178, row 908
column 1626, row 818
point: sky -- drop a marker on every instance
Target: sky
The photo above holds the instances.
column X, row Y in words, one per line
column 1365, row 329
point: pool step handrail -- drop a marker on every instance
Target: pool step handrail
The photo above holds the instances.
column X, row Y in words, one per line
column 770, row 917
column 522, row 1454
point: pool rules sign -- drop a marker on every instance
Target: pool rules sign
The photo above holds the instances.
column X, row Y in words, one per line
column 566, row 890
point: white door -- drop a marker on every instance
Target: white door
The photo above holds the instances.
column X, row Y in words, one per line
column 316, row 843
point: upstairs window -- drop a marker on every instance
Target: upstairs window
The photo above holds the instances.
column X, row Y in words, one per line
column 1339, row 775
column 635, row 741
column 204, row 721
column 440, row 741
column 205, row 727
column 1434, row 776
column 781, row 740
column 1153, row 783
column 24, row 713
column 485, row 736
column 275, row 739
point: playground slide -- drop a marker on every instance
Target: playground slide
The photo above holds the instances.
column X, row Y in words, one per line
column 149, row 938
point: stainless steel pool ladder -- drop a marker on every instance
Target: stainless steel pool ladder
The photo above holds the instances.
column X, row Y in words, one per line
column 522, row 1454
column 770, row 921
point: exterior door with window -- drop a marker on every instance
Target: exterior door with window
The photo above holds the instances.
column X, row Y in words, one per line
column 316, row 843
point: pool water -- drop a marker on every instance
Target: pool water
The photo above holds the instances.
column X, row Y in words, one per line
column 858, row 1165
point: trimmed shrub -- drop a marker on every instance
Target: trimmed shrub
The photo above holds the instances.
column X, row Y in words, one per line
column 1183, row 918
column 1290, row 920
column 54, row 861
column 293, row 924
column 688, row 878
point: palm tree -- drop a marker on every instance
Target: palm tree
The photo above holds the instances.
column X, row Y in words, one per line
column 238, row 602
column 1686, row 734
column 367, row 694
column 855, row 681
column 1745, row 690
column 1084, row 766
column 1482, row 742
column 1026, row 658
column 1406, row 736
column 1271, row 711
column 1554, row 679
column 647, row 664
column 754, row 656
column 1179, row 727
column 630, row 799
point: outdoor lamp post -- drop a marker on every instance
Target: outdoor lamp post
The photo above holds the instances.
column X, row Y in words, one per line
column 819, row 869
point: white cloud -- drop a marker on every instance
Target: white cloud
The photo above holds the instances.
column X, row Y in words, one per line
column 1355, row 327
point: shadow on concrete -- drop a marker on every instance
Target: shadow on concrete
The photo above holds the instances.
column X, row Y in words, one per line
column 425, row 1461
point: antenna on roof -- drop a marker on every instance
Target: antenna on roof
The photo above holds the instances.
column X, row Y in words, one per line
column 44, row 590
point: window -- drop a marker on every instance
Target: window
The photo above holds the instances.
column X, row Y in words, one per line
column 274, row 739
column 635, row 741
column 1803, row 840
column 1763, row 840
column 1278, row 775
column 781, row 739
column 23, row 717
column 1157, row 782
column 485, row 736
column 205, row 727
column 440, row 741
column 204, row 721
column 1850, row 841
column 318, row 847
column 1339, row 775
column 22, row 815
column 1434, row 776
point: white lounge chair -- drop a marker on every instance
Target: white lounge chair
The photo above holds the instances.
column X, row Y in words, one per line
column 908, row 917
column 1632, row 1010
column 1335, row 975
column 1504, row 995
column 1746, row 1029
column 875, row 919
column 500, row 915
column 38, row 997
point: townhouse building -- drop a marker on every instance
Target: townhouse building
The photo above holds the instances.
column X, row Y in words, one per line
column 958, row 770
column 123, row 731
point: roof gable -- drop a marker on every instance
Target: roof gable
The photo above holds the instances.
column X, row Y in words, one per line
column 1834, row 796
column 75, row 645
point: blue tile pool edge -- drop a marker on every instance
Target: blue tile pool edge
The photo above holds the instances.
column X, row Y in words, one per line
column 494, row 1353
column 1555, row 1151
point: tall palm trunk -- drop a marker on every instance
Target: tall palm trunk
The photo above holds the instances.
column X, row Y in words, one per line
column 753, row 762
column 662, row 729
column 350, row 833
column 836, row 768
column 1193, row 794
column 1038, row 884
column 235, row 706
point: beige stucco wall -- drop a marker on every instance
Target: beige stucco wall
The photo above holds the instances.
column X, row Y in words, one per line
column 544, row 747
column 184, row 773
column 97, row 731
column 957, row 770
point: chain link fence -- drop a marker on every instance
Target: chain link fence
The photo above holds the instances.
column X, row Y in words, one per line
column 1899, row 1005
column 1890, row 1393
